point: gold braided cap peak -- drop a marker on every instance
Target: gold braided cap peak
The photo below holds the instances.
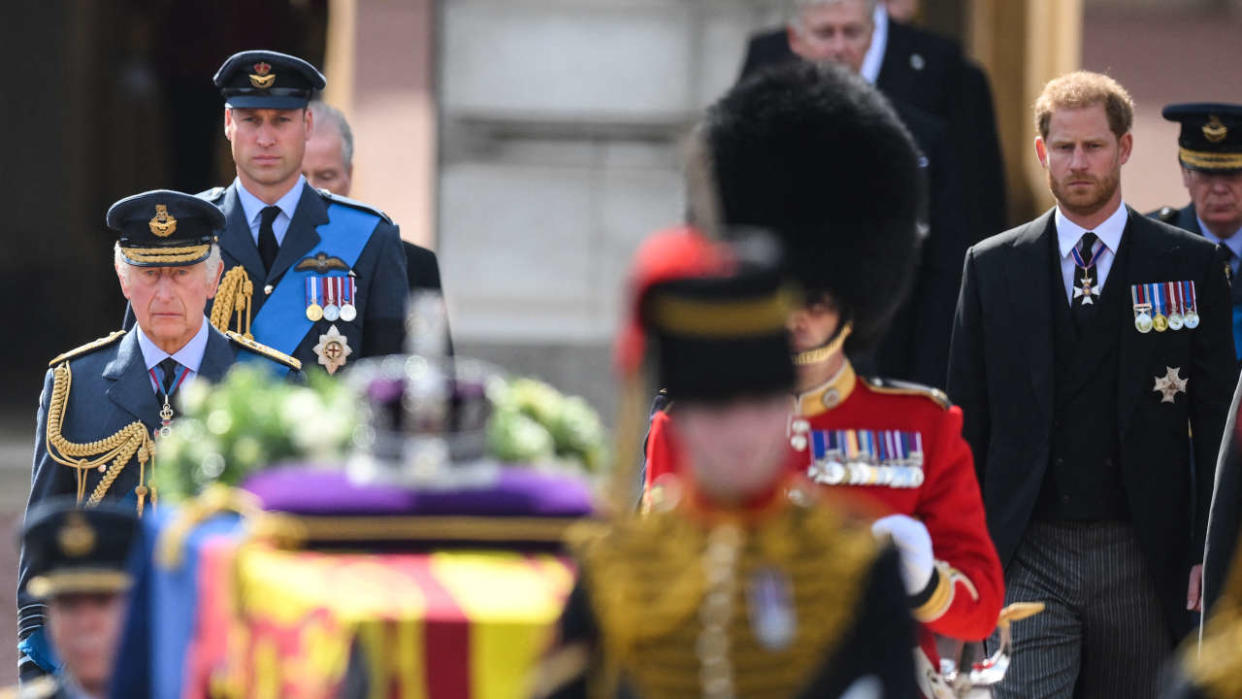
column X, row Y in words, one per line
column 87, row 348
column 260, row 348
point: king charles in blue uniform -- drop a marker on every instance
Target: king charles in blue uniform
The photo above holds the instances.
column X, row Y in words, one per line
column 104, row 403
column 312, row 274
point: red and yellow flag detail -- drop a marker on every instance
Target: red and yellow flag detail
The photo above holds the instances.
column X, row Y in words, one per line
column 415, row 626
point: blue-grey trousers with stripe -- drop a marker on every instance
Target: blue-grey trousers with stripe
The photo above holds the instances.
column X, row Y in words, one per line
column 1102, row 633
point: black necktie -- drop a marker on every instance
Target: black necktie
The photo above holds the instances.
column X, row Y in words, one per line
column 267, row 237
column 169, row 367
column 1086, row 291
column 1228, row 253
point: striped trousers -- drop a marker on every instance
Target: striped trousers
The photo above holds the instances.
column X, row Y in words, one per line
column 1102, row 633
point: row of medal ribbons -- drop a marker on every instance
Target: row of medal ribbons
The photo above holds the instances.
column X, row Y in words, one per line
column 1164, row 306
column 889, row 458
column 330, row 298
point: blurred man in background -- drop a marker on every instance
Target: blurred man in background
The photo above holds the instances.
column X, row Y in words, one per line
column 78, row 559
column 329, row 164
column 916, row 347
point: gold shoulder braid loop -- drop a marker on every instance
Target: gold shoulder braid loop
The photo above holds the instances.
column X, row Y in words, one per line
column 233, row 299
column 129, row 442
column 673, row 629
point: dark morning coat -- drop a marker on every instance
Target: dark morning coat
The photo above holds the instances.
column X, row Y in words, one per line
column 1001, row 374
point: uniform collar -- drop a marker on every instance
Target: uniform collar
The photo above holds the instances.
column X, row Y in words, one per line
column 874, row 59
column 252, row 206
column 829, row 394
column 1068, row 232
column 1233, row 242
column 189, row 356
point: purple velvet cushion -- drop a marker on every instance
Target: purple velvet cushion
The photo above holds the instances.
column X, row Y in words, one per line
column 516, row 492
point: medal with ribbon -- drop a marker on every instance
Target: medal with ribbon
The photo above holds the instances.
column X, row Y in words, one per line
column 1142, row 308
column 1191, row 316
column 1086, row 288
column 887, row 458
column 166, row 412
column 1173, row 293
column 348, row 311
column 1159, row 321
column 332, row 296
column 314, row 311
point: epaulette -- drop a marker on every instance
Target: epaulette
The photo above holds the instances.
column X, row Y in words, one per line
column 894, row 387
column 87, row 348
column 260, row 348
column 1166, row 214
column 338, row 199
column 212, row 195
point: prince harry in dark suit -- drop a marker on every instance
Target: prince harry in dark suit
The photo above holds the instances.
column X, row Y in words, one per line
column 1088, row 346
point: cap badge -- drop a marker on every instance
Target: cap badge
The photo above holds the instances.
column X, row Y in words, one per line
column 76, row 538
column 1214, row 131
column 262, row 77
column 163, row 225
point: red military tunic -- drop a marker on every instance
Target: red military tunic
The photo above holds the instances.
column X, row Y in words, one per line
column 946, row 499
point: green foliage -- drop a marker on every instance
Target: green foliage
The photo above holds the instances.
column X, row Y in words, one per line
column 534, row 422
column 250, row 420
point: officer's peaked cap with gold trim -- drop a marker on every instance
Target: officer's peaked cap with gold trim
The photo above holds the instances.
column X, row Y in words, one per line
column 163, row 228
column 267, row 80
column 819, row 158
column 1211, row 135
column 70, row 549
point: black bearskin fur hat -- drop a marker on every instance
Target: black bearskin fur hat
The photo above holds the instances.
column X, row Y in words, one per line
column 818, row 157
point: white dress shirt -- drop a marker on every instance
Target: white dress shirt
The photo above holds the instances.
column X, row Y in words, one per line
column 1068, row 235
column 189, row 356
column 874, row 59
column 1233, row 242
column 253, row 207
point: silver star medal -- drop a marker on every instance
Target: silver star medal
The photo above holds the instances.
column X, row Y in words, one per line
column 1086, row 291
column 1171, row 384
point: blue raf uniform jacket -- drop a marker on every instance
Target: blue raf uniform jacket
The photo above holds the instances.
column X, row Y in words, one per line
column 379, row 271
column 108, row 389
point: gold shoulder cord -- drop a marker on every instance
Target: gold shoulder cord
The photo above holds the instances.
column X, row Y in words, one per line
column 233, row 298
column 130, row 441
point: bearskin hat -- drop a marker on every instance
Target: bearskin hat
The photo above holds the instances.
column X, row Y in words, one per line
column 818, row 157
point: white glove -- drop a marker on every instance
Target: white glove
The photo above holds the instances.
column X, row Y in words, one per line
column 915, row 546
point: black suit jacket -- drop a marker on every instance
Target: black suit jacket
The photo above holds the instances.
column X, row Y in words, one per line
column 1001, row 374
column 1226, row 513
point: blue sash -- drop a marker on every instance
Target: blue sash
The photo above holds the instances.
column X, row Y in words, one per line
column 282, row 323
column 1237, row 331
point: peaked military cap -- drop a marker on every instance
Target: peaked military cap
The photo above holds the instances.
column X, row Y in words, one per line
column 721, row 334
column 163, row 228
column 819, row 158
column 76, row 550
column 267, row 80
column 1211, row 137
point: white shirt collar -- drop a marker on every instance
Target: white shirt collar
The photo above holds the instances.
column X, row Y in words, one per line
column 1233, row 242
column 252, row 206
column 874, row 59
column 190, row 356
column 1068, row 232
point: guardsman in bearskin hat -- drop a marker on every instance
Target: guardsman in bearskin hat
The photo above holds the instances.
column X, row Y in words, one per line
column 104, row 403
column 740, row 581
column 819, row 158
